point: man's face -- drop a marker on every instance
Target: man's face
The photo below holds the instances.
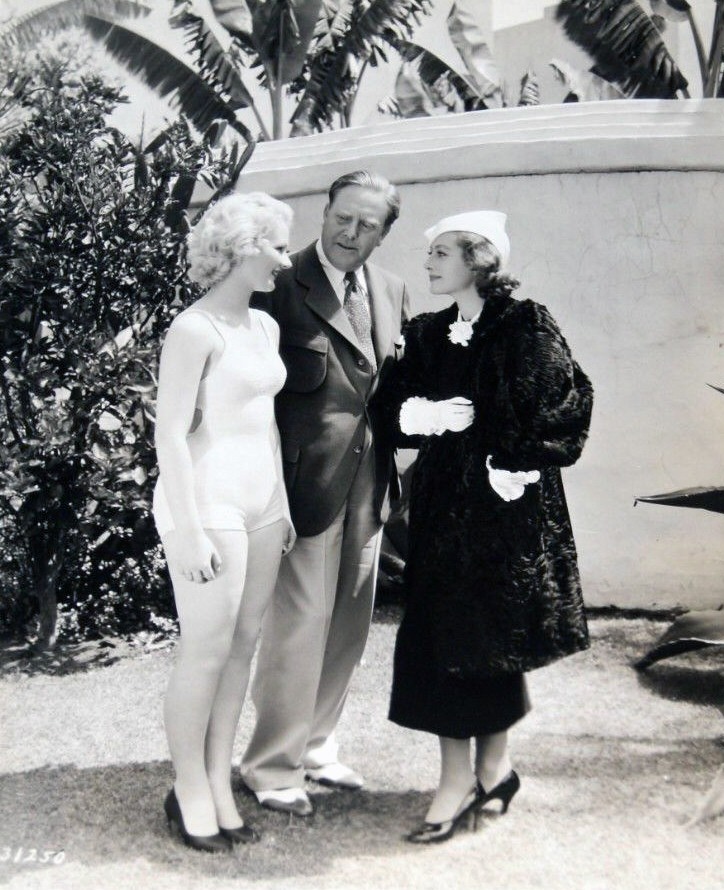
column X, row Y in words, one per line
column 354, row 224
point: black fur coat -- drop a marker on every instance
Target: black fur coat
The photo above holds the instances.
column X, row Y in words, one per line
column 499, row 580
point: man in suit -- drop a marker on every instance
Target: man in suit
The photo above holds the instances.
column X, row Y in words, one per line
column 339, row 318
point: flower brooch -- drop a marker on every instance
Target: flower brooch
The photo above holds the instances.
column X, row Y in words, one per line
column 460, row 332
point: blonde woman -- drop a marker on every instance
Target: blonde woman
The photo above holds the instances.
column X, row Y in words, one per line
column 220, row 505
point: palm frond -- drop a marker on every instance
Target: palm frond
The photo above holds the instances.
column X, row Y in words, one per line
column 283, row 32
column 234, row 15
column 472, row 36
column 625, row 45
column 529, row 89
column 432, row 68
column 329, row 87
column 216, row 64
column 165, row 73
column 26, row 30
column 334, row 20
column 584, row 86
column 374, row 21
column 330, row 82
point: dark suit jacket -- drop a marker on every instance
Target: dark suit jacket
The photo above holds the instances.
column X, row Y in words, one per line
column 322, row 411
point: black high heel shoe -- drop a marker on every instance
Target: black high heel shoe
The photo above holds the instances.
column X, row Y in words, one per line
column 434, row 832
column 244, row 834
column 212, row 843
column 504, row 791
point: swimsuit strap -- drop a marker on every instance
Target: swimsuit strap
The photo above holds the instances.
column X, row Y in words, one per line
column 263, row 322
column 212, row 321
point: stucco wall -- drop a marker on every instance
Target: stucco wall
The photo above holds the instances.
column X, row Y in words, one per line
column 616, row 222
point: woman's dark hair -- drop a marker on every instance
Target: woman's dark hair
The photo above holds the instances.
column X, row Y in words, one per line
column 483, row 258
column 375, row 182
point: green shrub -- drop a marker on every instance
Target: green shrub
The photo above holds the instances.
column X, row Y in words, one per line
column 91, row 272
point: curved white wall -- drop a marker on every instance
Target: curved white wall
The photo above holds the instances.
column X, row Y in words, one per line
column 615, row 216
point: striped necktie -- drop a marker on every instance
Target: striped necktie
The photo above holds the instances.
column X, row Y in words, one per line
column 355, row 305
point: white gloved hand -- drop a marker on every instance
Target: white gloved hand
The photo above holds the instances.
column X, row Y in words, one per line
column 510, row 486
column 419, row 416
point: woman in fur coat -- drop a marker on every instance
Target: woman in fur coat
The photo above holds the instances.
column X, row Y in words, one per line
column 488, row 391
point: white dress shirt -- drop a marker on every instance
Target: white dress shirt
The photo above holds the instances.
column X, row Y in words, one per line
column 336, row 276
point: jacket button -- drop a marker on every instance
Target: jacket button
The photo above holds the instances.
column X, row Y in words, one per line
column 358, row 449
column 361, row 362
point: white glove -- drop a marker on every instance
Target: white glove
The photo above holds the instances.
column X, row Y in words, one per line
column 510, row 486
column 424, row 417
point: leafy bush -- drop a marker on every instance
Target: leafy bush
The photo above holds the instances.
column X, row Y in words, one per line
column 91, row 271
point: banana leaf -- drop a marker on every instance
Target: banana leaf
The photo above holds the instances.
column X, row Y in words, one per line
column 671, row 10
column 24, row 31
column 166, row 73
column 282, row 35
column 701, row 497
column 695, row 630
column 468, row 25
column 585, row 86
column 625, row 44
column 433, row 70
column 234, row 15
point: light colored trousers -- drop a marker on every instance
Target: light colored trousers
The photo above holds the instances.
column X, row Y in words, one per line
column 313, row 636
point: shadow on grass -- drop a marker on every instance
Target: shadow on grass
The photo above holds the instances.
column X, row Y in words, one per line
column 100, row 816
column 698, row 684
column 73, row 658
column 65, row 658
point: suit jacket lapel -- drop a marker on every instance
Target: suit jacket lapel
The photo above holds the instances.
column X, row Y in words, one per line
column 321, row 297
column 383, row 324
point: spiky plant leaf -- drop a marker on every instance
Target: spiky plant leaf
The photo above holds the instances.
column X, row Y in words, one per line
column 282, row 34
column 330, row 81
column 700, row 496
column 25, row 31
column 411, row 95
column 584, row 86
column 529, row 90
column 692, row 631
column 218, row 62
column 472, row 39
column 625, row 44
column 166, row 73
column 234, row 15
column 334, row 19
column 671, row 10
column 432, row 68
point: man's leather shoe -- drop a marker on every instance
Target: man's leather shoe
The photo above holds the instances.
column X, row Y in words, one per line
column 286, row 800
column 336, row 775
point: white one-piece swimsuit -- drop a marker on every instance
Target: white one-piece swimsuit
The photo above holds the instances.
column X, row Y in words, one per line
column 233, row 440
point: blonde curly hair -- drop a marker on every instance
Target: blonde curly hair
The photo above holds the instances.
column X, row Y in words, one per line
column 230, row 230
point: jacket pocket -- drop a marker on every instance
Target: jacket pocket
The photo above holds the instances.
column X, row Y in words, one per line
column 304, row 354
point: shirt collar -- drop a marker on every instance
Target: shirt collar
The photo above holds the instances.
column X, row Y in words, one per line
column 335, row 275
column 471, row 320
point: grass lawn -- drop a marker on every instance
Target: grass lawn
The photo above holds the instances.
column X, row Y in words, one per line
column 613, row 763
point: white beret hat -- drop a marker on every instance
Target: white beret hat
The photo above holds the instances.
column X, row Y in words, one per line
column 488, row 223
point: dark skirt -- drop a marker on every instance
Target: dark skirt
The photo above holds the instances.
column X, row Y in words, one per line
column 430, row 699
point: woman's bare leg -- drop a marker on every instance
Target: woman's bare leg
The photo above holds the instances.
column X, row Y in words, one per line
column 207, row 617
column 265, row 548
